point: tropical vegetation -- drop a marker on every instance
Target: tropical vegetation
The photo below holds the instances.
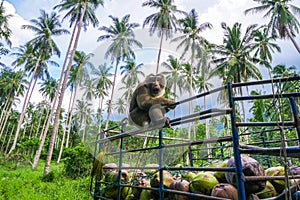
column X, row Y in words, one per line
column 38, row 134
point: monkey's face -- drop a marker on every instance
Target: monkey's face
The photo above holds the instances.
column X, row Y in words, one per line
column 156, row 84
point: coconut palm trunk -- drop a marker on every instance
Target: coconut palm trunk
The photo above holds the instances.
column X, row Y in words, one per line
column 292, row 39
column 44, row 134
column 112, row 95
column 27, row 99
column 61, row 96
column 159, row 51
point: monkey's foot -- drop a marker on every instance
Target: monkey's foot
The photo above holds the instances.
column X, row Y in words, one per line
column 164, row 122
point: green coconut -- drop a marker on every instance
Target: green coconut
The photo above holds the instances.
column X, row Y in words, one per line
column 225, row 190
column 203, row 183
column 188, row 176
column 279, row 185
column 251, row 167
column 220, row 175
column 126, row 191
column 268, row 192
column 167, row 179
column 145, row 195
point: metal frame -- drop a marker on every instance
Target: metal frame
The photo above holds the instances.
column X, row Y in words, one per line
column 238, row 148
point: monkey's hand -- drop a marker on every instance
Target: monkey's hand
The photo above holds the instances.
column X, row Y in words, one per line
column 170, row 105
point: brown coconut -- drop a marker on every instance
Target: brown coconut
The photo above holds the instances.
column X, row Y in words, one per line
column 225, row 190
column 251, row 167
column 180, row 185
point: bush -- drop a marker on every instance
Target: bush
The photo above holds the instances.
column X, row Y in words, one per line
column 78, row 162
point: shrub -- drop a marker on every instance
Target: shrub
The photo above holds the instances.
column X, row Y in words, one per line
column 78, row 162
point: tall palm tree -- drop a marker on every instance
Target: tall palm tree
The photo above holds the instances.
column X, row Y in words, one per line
column 174, row 75
column 131, row 71
column 164, row 21
column 81, row 13
column 78, row 73
column 192, row 42
column 202, row 78
column 235, row 63
column 12, row 85
column 45, row 27
column 103, row 84
column 283, row 21
column 121, row 33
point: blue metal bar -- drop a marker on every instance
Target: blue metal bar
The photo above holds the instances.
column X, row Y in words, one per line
column 236, row 151
column 260, row 82
column 264, row 124
column 161, row 176
column 267, row 96
column 123, row 128
column 296, row 117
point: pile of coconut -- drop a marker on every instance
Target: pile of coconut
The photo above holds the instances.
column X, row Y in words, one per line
column 216, row 184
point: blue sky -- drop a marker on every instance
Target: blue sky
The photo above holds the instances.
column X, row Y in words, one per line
column 213, row 11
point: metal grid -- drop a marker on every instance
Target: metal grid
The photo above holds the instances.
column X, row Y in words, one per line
column 232, row 141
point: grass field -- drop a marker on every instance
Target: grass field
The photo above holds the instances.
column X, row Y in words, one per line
column 22, row 183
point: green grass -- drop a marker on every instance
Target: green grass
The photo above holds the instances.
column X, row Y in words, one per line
column 21, row 182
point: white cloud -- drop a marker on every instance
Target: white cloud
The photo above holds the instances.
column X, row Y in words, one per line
column 19, row 36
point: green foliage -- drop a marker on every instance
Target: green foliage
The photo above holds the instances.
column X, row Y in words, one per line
column 77, row 162
column 24, row 183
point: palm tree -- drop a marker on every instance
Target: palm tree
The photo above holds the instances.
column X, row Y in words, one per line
column 48, row 88
column 82, row 115
column 202, row 77
column 12, row 85
column 263, row 47
column 120, row 106
column 174, row 75
column 192, row 42
column 103, row 84
column 164, row 21
column 123, row 39
column 235, row 63
column 131, row 72
column 283, row 21
column 5, row 32
column 44, row 27
column 81, row 13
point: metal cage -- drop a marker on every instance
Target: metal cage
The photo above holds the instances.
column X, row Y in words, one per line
column 235, row 141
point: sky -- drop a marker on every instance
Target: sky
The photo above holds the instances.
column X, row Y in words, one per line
column 213, row 11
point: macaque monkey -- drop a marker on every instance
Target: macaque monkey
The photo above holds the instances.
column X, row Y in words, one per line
column 147, row 106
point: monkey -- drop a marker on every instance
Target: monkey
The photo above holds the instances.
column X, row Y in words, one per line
column 147, row 105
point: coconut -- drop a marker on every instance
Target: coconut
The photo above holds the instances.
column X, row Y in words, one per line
column 188, row 176
column 145, row 195
column 251, row 167
column 151, row 171
column 167, row 179
column 155, row 180
column 109, row 167
column 268, row 192
column 277, row 171
column 225, row 190
column 203, row 183
column 180, row 185
column 220, row 175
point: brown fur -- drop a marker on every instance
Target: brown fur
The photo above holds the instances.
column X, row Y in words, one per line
column 147, row 104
